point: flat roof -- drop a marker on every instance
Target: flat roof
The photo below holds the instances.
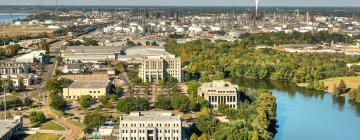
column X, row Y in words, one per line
column 86, row 84
column 6, row 126
column 150, row 116
column 146, row 51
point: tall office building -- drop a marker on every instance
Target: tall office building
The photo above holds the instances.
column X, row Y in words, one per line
column 158, row 68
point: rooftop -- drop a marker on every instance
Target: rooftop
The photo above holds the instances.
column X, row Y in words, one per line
column 150, row 116
column 145, row 51
column 219, row 84
column 6, row 126
column 94, row 49
column 83, row 84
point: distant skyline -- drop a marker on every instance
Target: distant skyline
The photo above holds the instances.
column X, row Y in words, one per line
column 323, row 3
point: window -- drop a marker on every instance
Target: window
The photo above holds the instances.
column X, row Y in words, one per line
column 98, row 91
column 90, row 91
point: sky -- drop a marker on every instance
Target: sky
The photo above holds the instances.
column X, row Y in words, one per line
column 339, row 3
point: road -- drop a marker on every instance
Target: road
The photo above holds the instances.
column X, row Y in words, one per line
column 76, row 131
column 73, row 131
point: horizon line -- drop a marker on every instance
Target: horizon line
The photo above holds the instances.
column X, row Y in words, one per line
column 315, row 6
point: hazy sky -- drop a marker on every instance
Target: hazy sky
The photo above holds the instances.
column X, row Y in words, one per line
column 187, row 2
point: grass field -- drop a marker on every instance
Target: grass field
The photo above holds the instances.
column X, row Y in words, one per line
column 51, row 125
column 42, row 136
column 352, row 82
column 12, row 30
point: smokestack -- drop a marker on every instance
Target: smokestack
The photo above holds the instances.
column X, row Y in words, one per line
column 256, row 7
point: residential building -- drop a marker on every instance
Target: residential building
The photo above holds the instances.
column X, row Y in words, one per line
column 9, row 128
column 150, row 125
column 14, row 68
column 27, row 79
column 79, row 88
column 157, row 68
column 220, row 92
column 35, row 56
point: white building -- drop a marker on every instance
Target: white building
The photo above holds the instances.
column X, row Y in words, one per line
column 35, row 56
column 157, row 68
column 9, row 128
column 89, row 53
column 220, row 92
column 150, row 126
column 79, row 88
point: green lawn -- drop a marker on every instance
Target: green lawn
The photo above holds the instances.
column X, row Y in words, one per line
column 42, row 136
column 51, row 125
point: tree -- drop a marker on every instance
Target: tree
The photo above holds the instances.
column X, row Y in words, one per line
column 37, row 117
column 57, row 102
column 341, row 88
column 105, row 100
column 203, row 137
column 163, row 102
column 21, row 86
column 180, row 102
column 154, row 43
column 194, row 137
column 27, row 102
column 207, row 123
column 148, row 43
column 85, row 101
column 93, row 120
column 255, row 136
column 130, row 104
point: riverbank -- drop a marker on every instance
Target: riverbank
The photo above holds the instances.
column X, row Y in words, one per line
column 352, row 82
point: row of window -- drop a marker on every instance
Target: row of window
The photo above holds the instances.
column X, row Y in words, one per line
column 144, row 138
column 150, row 125
column 222, row 99
column 143, row 131
column 77, row 97
column 94, row 91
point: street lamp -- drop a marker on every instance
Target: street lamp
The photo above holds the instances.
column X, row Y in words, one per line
column 5, row 84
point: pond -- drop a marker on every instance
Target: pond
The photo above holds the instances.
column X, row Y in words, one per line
column 310, row 115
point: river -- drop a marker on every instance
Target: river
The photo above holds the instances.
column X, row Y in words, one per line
column 310, row 115
column 8, row 18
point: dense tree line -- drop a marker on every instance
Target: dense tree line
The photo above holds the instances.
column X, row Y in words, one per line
column 18, row 38
column 221, row 59
column 86, row 42
column 9, row 51
column 293, row 38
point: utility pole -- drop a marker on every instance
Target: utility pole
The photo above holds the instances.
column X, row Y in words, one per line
column 4, row 86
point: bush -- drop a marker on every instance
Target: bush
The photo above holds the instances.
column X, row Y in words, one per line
column 37, row 117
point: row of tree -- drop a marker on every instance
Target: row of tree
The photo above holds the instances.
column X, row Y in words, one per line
column 55, row 87
column 8, row 39
column 86, row 42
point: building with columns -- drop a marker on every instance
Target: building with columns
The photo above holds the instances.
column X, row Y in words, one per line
column 220, row 92
column 150, row 125
column 157, row 68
